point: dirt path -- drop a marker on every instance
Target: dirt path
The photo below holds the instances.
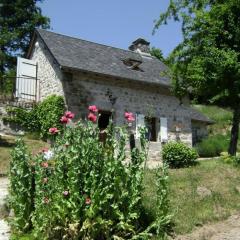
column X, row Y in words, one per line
column 4, row 228
column 226, row 230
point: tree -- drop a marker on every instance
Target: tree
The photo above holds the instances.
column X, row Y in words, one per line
column 207, row 61
column 18, row 19
column 156, row 52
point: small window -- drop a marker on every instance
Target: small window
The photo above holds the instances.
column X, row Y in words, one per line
column 133, row 64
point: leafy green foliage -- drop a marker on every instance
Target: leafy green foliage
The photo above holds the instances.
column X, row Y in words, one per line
column 226, row 158
column 156, row 52
column 26, row 118
column 85, row 189
column 21, row 187
column 40, row 118
column 212, row 146
column 18, row 21
column 177, row 155
column 207, row 62
column 49, row 112
column 164, row 215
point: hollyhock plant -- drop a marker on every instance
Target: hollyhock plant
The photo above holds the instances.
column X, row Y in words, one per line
column 44, row 164
column 69, row 115
column 45, row 180
column 88, row 201
column 92, row 117
column 48, row 155
column 44, row 150
column 46, row 200
column 53, row 130
column 65, row 193
column 93, row 109
column 64, row 120
column 129, row 116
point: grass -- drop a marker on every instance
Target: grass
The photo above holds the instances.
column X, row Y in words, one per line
column 222, row 118
column 6, row 145
column 191, row 209
column 219, row 132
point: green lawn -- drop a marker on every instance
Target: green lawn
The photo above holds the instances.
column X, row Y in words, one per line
column 6, row 145
column 190, row 210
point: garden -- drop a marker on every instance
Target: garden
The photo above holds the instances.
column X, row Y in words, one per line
column 82, row 188
column 78, row 187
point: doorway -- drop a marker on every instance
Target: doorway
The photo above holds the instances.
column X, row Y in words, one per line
column 150, row 123
column 103, row 121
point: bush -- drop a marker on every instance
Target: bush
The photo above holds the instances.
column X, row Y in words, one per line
column 84, row 189
column 40, row 118
column 26, row 118
column 212, row 146
column 49, row 112
column 177, row 155
column 226, row 158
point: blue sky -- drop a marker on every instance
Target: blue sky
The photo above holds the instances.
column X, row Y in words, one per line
column 114, row 23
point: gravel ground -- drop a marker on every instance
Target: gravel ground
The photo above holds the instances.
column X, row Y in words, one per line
column 225, row 230
column 4, row 228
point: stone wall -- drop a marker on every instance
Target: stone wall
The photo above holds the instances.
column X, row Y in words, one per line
column 83, row 89
column 49, row 73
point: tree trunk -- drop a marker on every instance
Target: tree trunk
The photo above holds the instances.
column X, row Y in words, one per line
column 232, row 150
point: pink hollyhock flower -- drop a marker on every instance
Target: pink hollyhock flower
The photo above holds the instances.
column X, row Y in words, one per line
column 129, row 117
column 45, row 180
column 46, row 200
column 93, row 108
column 69, row 115
column 65, row 193
column 44, row 164
column 44, row 150
column 92, row 117
column 88, row 201
column 53, row 130
column 64, row 120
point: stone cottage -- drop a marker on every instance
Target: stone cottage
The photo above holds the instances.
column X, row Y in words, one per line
column 87, row 73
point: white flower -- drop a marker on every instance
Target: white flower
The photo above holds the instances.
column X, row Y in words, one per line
column 48, row 155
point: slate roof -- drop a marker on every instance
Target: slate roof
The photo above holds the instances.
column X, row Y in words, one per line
column 83, row 55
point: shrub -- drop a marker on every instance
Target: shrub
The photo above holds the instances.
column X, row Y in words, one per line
column 21, row 187
column 226, row 158
column 85, row 189
column 177, row 155
column 212, row 146
column 49, row 112
column 26, row 118
column 40, row 118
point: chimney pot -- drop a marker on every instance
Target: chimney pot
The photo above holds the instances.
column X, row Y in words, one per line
column 140, row 44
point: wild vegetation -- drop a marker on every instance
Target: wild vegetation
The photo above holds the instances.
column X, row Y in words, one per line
column 40, row 118
column 82, row 188
column 218, row 133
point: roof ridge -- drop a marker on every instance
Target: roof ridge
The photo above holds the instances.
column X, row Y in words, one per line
column 39, row 29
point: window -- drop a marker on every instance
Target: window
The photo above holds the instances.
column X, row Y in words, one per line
column 133, row 64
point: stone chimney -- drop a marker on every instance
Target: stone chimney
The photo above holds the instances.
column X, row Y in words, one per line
column 140, row 45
